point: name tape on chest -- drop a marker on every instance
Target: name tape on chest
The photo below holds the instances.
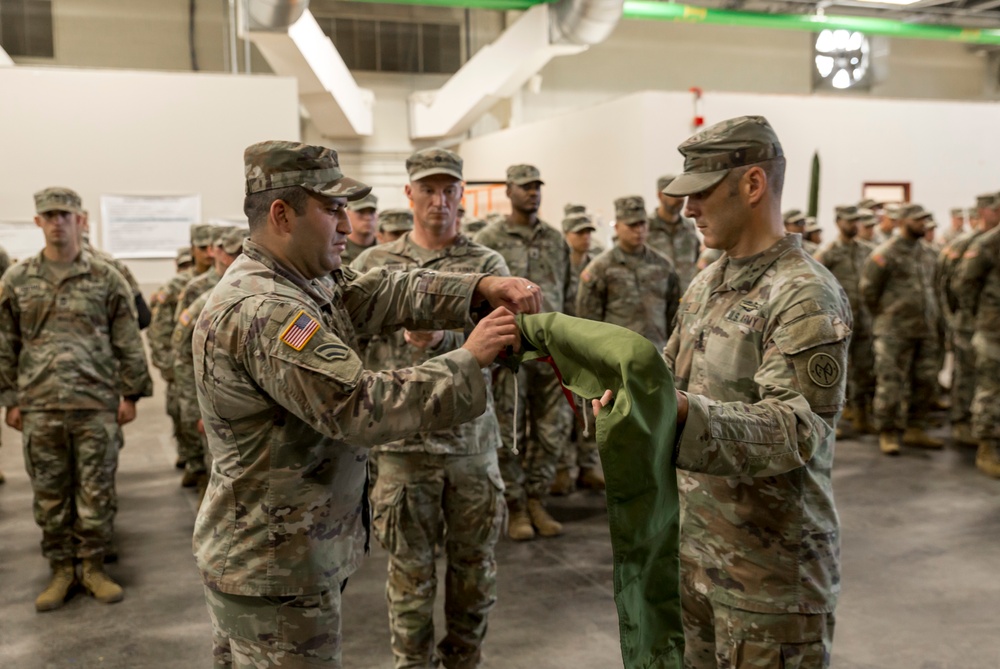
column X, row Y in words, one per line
column 300, row 331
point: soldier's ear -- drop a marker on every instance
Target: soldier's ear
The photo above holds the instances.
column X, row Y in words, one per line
column 754, row 184
column 282, row 216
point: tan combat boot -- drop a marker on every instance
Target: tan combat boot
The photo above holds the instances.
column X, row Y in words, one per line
column 54, row 594
column 961, row 433
column 591, row 478
column 888, row 442
column 563, row 484
column 546, row 525
column 190, row 479
column 99, row 584
column 519, row 524
column 988, row 459
column 917, row 436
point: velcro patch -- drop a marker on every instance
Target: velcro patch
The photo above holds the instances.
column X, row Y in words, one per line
column 331, row 351
column 300, row 331
column 824, row 370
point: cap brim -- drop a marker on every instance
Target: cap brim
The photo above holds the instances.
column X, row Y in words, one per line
column 581, row 228
column 522, row 182
column 396, row 228
column 72, row 210
column 423, row 174
column 632, row 220
column 345, row 187
column 694, row 182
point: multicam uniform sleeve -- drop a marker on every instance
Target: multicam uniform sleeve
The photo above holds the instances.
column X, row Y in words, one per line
column 970, row 277
column 801, row 380
column 126, row 342
column 10, row 344
column 160, row 330
column 312, row 373
column 592, row 292
column 874, row 274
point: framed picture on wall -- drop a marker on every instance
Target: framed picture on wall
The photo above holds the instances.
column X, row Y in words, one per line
column 886, row 191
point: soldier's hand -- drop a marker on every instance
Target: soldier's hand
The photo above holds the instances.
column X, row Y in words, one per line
column 492, row 335
column 126, row 412
column 201, row 426
column 423, row 339
column 14, row 418
column 682, row 409
column 518, row 295
column 601, row 403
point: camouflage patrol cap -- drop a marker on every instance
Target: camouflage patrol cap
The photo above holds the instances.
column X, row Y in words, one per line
column 664, row 181
column 578, row 223
column 202, row 234
column 218, row 231
column 523, row 174
column 395, row 220
column 369, row 201
column 847, row 212
column 911, row 212
column 811, row 225
column 572, row 208
column 279, row 164
column 957, row 212
column 713, row 152
column 630, row 210
column 869, row 203
column 184, row 256
column 428, row 162
column 793, row 217
column 892, row 209
column 972, row 213
column 930, row 223
column 473, row 225
column 58, row 199
column 867, row 218
column 231, row 239
column 984, row 200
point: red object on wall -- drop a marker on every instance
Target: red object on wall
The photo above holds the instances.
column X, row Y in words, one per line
column 699, row 118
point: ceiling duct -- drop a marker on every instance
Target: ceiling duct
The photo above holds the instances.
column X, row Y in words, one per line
column 584, row 22
column 275, row 15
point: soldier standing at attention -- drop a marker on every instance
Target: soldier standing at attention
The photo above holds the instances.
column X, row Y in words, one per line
column 812, row 235
column 362, row 214
column 72, row 368
column 957, row 226
column 535, row 250
column 888, row 222
column 673, row 235
column 844, row 257
column 897, row 286
column 867, row 221
column 577, row 229
column 979, row 292
column 289, row 410
column 759, row 354
column 451, row 478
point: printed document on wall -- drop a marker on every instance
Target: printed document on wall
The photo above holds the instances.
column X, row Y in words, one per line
column 147, row 226
column 21, row 239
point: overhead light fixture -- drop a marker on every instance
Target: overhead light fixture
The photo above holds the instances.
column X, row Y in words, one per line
column 890, row 2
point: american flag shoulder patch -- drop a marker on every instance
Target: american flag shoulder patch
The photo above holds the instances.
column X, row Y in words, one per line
column 185, row 318
column 300, row 331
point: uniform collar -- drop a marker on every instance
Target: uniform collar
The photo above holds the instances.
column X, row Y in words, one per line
column 407, row 248
column 80, row 265
column 754, row 267
column 314, row 289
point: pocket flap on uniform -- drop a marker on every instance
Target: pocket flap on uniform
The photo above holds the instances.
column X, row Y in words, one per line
column 811, row 331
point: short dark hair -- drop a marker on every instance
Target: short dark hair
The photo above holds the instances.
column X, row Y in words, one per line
column 774, row 170
column 257, row 205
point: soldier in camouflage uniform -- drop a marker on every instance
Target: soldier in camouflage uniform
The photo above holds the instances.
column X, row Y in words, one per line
column 228, row 248
column 448, row 479
column 72, row 368
column 4, row 265
column 887, row 223
column 812, row 236
column 161, row 329
column 673, row 235
column 759, row 355
column 961, row 323
column 897, row 286
column 393, row 224
column 845, row 257
column 289, row 410
column 978, row 280
column 141, row 308
column 867, row 221
column 533, row 249
column 957, row 226
column 363, row 214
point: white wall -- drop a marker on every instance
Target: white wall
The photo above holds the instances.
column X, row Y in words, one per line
column 125, row 133
column 946, row 150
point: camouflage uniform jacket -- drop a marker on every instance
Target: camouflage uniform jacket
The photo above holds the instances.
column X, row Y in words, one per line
column 392, row 352
column 352, row 251
column 978, row 281
column 678, row 241
column 947, row 284
column 289, row 411
column 162, row 328
column 118, row 265
column 74, row 344
column 194, row 288
column 897, row 286
column 181, row 346
column 760, row 348
column 638, row 291
column 4, row 261
column 845, row 260
column 538, row 253
column 574, row 280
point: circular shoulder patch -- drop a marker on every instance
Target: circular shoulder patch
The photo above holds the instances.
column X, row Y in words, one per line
column 824, row 370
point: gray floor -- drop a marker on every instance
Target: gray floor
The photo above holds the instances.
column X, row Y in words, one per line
column 921, row 556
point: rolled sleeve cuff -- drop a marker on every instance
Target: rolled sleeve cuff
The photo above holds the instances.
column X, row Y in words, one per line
column 693, row 440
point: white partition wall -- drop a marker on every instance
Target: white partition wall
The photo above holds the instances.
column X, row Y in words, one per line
column 947, row 151
column 136, row 133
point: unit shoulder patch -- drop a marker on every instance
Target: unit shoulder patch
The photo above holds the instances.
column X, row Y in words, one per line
column 824, row 370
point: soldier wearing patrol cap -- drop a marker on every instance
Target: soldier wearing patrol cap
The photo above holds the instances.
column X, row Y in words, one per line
column 184, row 259
column 978, row 288
column 897, row 286
column 957, row 226
column 760, row 375
column 289, row 410
column 578, row 227
column 363, row 214
column 72, row 368
column 535, row 250
column 812, row 235
column 393, row 224
column 673, row 235
column 867, row 220
column 888, row 222
column 451, row 477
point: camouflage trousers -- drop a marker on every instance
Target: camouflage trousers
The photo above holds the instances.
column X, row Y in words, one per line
column 417, row 498
column 860, row 373
column 191, row 444
column 906, row 382
column 71, row 458
column 581, row 451
column 986, row 403
column 963, row 377
column 296, row 632
column 174, row 411
column 721, row 637
column 543, row 424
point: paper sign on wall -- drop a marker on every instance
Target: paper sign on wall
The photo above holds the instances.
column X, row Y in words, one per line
column 147, row 226
column 21, row 239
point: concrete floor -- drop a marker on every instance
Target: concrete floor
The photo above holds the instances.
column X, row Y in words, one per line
column 921, row 563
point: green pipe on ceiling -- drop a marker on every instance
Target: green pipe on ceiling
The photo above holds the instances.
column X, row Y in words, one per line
column 677, row 13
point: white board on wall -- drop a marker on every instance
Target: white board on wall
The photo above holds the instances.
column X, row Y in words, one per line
column 21, row 239
column 147, row 226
